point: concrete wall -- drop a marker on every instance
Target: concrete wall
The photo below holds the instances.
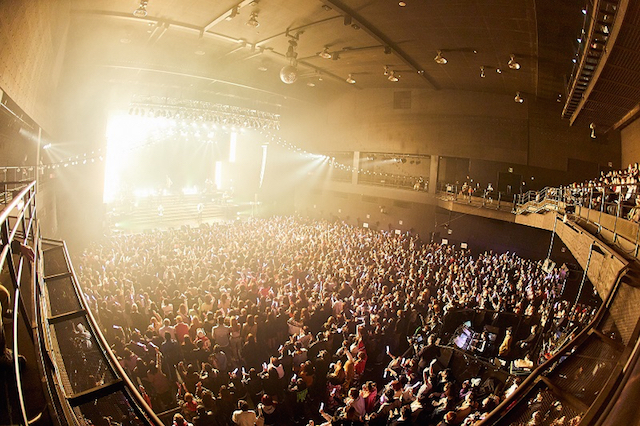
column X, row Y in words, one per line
column 479, row 126
column 32, row 44
column 630, row 136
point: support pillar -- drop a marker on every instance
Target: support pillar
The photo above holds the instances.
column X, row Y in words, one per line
column 433, row 174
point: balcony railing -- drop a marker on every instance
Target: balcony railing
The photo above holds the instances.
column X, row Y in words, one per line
column 83, row 381
column 612, row 211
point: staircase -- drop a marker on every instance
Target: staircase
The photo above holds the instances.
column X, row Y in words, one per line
column 536, row 201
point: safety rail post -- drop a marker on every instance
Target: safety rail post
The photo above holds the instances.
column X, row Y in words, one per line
column 604, row 201
column 560, row 194
column 590, row 203
column 635, row 254
column 615, row 221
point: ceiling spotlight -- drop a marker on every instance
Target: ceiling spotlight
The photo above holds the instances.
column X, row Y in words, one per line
column 253, row 20
column 402, row 4
column 440, row 59
column 311, row 84
column 392, row 76
column 592, row 126
column 350, row 80
column 141, row 11
column 519, row 99
column 499, row 70
column 386, row 70
column 482, row 72
column 325, row 53
column 199, row 52
column 512, row 63
column 262, row 68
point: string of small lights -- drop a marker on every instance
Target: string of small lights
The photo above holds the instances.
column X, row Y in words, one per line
column 279, row 141
column 271, row 138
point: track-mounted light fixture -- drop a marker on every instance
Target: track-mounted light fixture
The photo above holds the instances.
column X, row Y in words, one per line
column 440, row 59
column 519, row 99
column 253, row 20
column 513, row 64
column 141, row 11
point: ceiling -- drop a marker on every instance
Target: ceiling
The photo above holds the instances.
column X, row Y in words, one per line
column 206, row 46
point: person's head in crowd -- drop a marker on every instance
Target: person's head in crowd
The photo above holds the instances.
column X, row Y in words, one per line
column 179, row 420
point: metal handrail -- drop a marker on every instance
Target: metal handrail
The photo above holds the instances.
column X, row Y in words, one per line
column 22, row 202
column 140, row 404
column 505, row 406
column 26, row 223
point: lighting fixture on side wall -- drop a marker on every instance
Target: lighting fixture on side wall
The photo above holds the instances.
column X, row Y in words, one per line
column 253, row 20
column 512, row 63
column 519, row 99
column 350, row 79
column 482, row 75
column 440, row 59
column 141, row 11
column 592, row 126
column 392, row 76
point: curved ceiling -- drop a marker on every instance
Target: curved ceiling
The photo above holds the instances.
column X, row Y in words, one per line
column 209, row 46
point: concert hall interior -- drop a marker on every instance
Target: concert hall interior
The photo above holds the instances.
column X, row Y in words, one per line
column 332, row 212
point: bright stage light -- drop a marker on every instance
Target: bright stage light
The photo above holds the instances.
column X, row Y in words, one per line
column 190, row 190
column 218, row 175
column 233, row 146
column 145, row 192
column 124, row 134
column 263, row 165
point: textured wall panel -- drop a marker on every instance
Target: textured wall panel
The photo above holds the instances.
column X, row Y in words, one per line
column 32, row 39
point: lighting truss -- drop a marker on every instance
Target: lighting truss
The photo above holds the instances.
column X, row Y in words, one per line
column 201, row 111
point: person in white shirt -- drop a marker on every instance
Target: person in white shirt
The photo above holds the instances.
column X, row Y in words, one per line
column 167, row 328
column 243, row 416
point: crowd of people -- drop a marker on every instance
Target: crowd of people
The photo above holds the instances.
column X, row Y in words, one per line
column 293, row 321
column 614, row 192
